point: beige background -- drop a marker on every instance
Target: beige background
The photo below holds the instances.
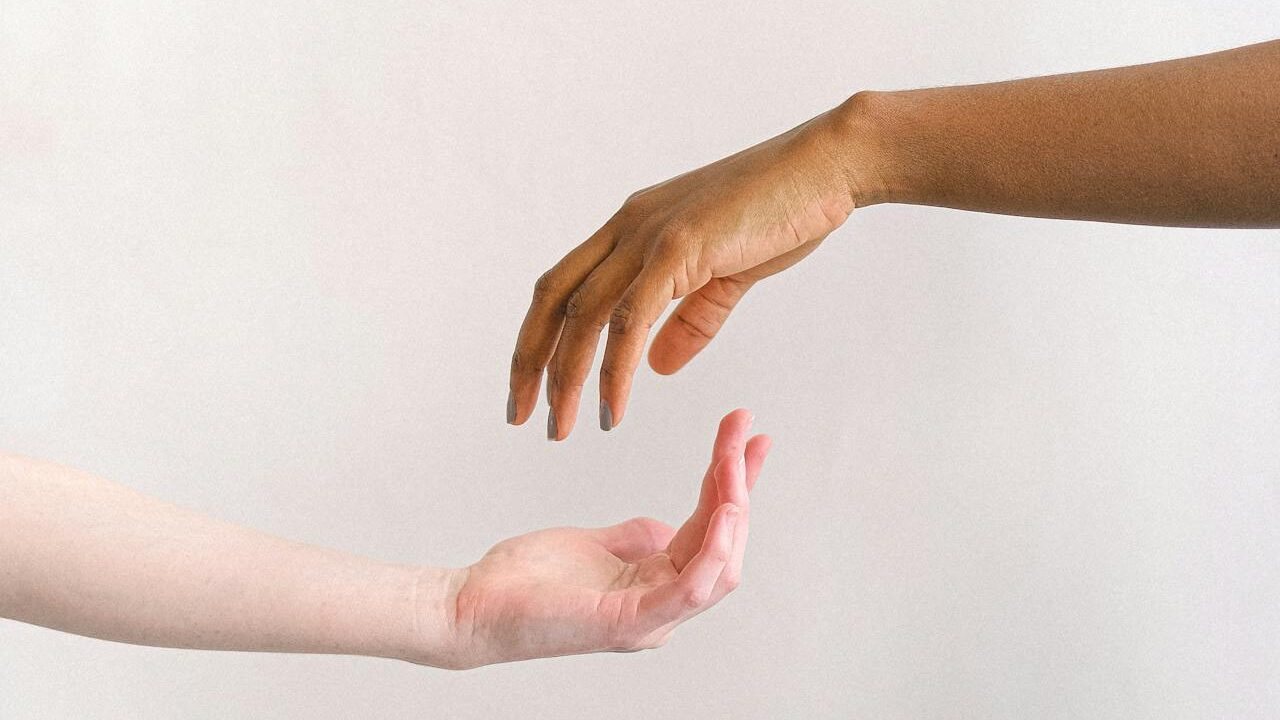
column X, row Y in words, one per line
column 267, row 259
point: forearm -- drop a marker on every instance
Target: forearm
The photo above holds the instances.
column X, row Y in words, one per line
column 90, row 557
column 1192, row 142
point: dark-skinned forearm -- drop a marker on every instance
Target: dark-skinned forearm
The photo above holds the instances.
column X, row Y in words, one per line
column 1188, row 142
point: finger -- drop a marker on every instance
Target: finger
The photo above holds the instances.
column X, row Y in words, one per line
column 735, row 485
column 734, row 480
column 694, row 323
column 632, row 318
column 757, row 450
column 586, row 313
column 692, row 590
column 635, row 539
column 729, row 443
column 731, row 575
column 542, row 322
column 731, row 481
column 701, row 315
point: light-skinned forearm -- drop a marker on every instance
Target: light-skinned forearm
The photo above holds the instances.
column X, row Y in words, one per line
column 1191, row 142
column 87, row 556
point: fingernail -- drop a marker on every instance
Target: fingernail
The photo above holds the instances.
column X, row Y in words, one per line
column 606, row 416
column 551, row 425
column 511, row 408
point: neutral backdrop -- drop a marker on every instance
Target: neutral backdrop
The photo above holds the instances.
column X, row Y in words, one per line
column 268, row 260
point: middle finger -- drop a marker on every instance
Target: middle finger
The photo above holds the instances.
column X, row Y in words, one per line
column 586, row 314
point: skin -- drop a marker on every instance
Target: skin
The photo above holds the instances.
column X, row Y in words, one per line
column 1187, row 142
column 83, row 555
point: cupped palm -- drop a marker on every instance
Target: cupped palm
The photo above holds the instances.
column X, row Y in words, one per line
column 625, row 587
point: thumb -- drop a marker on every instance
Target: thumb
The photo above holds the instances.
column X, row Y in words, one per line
column 694, row 323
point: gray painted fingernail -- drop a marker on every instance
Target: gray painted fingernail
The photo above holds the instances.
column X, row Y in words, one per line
column 551, row 425
column 606, row 416
column 511, row 408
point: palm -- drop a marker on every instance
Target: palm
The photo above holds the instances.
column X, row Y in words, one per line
column 624, row 587
column 561, row 590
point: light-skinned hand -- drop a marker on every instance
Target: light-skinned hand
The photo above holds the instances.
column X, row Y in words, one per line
column 620, row 588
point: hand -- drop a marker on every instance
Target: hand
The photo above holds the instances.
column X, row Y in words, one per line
column 706, row 236
column 622, row 588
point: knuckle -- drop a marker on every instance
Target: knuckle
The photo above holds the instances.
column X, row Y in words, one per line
column 636, row 205
column 575, row 305
column 702, row 327
column 726, row 295
column 732, row 580
column 561, row 381
column 674, row 239
column 544, row 288
column 695, row 598
column 520, row 363
column 623, row 319
column 580, row 310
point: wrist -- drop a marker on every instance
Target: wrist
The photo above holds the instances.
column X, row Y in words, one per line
column 864, row 130
column 434, row 639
